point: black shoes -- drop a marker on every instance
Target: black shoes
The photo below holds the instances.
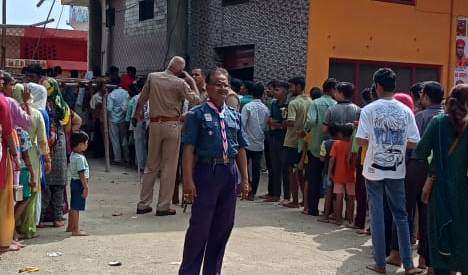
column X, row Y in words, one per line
column 144, row 211
column 169, row 212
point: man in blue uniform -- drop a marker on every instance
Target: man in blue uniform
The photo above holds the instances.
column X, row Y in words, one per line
column 213, row 144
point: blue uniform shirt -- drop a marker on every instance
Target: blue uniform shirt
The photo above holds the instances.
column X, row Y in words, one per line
column 203, row 130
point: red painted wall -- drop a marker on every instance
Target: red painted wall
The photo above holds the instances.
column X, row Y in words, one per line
column 54, row 44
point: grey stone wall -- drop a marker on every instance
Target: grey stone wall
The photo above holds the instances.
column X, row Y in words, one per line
column 135, row 43
column 277, row 28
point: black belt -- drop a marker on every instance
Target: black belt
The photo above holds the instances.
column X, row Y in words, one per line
column 216, row 161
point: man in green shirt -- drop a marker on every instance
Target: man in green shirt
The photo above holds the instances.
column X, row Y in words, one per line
column 296, row 118
column 314, row 124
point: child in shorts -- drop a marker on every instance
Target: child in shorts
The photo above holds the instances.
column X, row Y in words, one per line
column 342, row 171
column 325, row 150
column 79, row 171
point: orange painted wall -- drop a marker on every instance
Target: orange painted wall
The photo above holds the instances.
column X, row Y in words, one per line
column 375, row 30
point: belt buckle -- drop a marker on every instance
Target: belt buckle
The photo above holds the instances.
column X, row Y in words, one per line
column 225, row 160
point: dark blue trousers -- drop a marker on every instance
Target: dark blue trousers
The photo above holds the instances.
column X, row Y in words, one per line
column 212, row 219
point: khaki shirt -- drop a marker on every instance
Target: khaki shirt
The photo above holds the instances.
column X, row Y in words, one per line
column 297, row 112
column 166, row 93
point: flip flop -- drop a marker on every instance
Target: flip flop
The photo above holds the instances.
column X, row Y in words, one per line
column 380, row 270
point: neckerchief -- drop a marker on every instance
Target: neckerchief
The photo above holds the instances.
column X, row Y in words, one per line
column 223, row 126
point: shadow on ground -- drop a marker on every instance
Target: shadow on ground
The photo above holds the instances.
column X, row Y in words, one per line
column 116, row 193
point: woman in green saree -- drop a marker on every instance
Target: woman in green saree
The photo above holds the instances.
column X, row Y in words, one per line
column 26, row 224
column 447, row 195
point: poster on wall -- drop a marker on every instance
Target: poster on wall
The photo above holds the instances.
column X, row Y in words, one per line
column 461, row 44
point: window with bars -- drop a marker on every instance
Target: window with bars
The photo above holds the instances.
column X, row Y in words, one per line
column 360, row 73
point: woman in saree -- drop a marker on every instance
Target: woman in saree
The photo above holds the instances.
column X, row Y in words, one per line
column 21, row 122
column 446, row 193
column 7, row 219
column 27, row 222
column 54, row 199
column 38, row 93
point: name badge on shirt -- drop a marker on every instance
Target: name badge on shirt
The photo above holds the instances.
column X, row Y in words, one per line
column 208, row 117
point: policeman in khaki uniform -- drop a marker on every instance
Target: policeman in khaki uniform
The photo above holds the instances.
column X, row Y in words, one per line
column 213, row 144
column 166, row 92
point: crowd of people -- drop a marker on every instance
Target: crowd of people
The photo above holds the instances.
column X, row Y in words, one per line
column 390, row 165
column 38, row 131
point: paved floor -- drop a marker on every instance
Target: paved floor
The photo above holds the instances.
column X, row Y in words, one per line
column 267, row 239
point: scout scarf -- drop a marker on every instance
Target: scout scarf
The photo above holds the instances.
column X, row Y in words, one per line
column 223, row 126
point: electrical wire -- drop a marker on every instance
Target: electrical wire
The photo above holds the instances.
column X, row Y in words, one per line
column 60, row 18
column 43, row 30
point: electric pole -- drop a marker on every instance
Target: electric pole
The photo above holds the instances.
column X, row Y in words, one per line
column 4, row 28
column 3, row 61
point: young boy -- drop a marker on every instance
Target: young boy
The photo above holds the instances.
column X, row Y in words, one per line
column 79, row 171
column 342, row 171
column 325, row 150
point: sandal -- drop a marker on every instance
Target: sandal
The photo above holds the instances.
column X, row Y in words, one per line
column 324, row 220
column 363, row 232
column 391, row 262
column 291, row 205
column 272, row 199
column 42, row 225
column 376, row 269
column 11, row 248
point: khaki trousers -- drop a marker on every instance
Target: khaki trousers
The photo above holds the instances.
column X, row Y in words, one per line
column 163, row 154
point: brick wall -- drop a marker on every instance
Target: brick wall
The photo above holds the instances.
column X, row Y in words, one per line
column 135, row 43
column 277, row 28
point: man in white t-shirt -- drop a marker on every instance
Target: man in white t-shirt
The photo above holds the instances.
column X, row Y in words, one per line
column 387, row 127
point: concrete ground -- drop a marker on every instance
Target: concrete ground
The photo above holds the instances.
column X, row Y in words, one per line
column 267, row 239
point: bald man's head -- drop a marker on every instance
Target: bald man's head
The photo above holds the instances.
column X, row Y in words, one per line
column 176, row 65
